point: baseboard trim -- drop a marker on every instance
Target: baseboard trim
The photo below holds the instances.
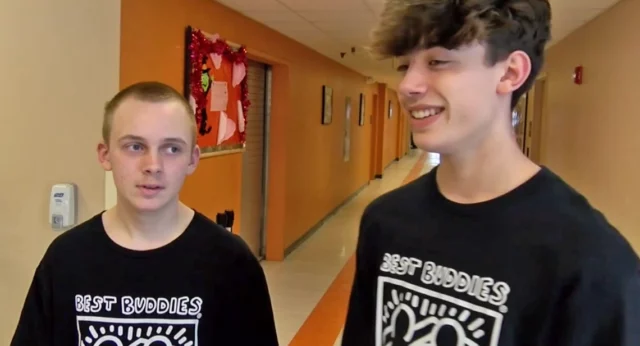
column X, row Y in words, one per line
column 317, row 226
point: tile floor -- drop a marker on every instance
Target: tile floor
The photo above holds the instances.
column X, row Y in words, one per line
column 320, row 267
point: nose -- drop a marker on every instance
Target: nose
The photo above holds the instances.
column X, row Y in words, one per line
column 414, row 84
column 152, row 163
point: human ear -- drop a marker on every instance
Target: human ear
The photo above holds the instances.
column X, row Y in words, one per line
column 194, row 158
column 103, row 156
column 517, row 68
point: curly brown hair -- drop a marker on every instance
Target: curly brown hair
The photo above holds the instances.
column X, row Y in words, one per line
column 504, row 26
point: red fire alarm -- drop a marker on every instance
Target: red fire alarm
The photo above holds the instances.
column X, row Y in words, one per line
column 577, row 75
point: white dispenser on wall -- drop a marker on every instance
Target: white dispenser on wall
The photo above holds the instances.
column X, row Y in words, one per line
column 62, row 206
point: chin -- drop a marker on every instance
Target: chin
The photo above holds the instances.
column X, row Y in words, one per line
column 147, row 205
column 428, row 143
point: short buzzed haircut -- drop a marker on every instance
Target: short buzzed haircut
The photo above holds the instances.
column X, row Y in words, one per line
column 148, row 91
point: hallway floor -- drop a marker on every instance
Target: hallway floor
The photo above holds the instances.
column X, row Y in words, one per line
column 310, row 289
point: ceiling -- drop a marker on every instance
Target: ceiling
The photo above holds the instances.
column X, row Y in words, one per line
column 332, row 27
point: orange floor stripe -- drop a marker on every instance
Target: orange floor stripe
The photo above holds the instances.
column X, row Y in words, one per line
column 323, row 325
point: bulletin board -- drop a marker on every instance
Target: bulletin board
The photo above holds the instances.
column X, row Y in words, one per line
column 216, row 87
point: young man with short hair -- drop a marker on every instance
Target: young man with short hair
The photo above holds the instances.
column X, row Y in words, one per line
column 150, row 270
column 488, row 248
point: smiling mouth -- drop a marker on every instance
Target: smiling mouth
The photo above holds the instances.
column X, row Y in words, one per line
column 425, row 113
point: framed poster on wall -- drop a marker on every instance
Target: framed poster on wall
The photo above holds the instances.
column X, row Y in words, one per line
column 347, row 130
column 361, row 110
column 327, row 105
column 216, row 87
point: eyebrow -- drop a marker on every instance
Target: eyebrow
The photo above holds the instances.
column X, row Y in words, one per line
column 141, row 139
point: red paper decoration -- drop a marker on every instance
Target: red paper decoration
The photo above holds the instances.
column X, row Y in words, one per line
column 200, row 46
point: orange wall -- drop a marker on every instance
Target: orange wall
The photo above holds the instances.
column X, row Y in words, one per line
column 590, row 131
column 389, row 133
column 312, row 177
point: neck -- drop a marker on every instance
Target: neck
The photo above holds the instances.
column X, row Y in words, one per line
column 488, row 169
column 138, row 230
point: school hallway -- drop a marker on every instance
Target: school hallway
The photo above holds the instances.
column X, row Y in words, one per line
column 310, row 288
column 298, row 120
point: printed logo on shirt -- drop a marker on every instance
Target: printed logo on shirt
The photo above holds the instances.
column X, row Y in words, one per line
column 484, row 289
column 408, row 314
column 135, row 327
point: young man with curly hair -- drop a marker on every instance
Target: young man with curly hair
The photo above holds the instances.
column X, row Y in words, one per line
column 488, row 248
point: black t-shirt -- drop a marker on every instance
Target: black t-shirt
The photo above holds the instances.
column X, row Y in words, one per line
column 204, row 288
column 536, row 266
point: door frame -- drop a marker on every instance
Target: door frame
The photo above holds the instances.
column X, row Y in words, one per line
column 374, row 134
column 400, row 137
column 536, row 119
column 261, row 246
column 262, row 249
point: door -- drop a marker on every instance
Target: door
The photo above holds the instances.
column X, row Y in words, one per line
column 401, row 131
column 252, row 213
column 534, row 131
column 519, row 118
column 374, row 133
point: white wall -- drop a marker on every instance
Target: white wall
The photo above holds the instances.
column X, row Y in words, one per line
column 110, row 195
column 60, row 64
column 590, row 131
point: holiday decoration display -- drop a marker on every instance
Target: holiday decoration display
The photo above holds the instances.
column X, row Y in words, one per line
column 216, row 86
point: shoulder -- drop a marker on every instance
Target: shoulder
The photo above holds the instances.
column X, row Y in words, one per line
column 592, row 249
column 402, row 198
column 222, row 251
column 575, row 219
column 216, row 240
column 602, row 266
column 588, row 244
column 78, row 238
column 402, row 205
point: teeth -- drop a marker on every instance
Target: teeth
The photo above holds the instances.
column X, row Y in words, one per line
column 426, row 113
column 420, row 114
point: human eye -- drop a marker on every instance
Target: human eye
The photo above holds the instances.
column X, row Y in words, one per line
column 174, row 149
column 134, row 146
column 437, row 62
column 402, row 63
